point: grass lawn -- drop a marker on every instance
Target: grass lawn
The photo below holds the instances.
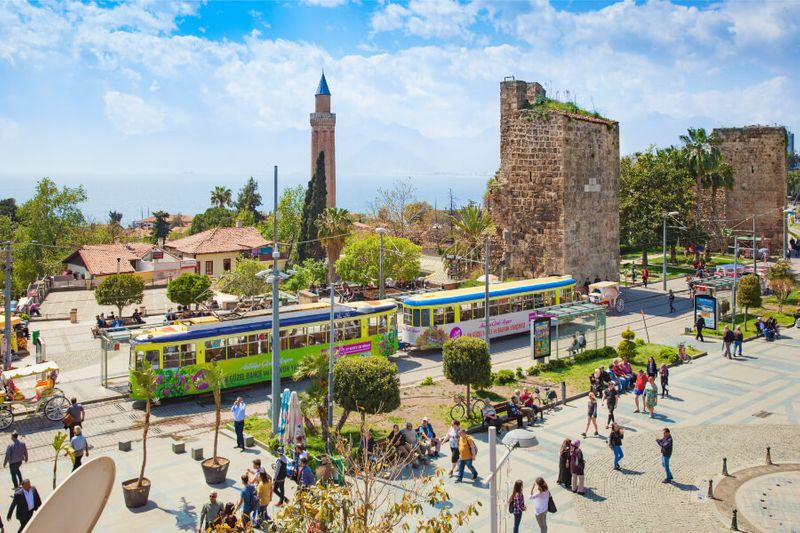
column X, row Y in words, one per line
column 791, row 301
column 752, row 315
column 577, row 375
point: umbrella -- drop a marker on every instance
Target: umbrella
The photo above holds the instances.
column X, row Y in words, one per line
column 291, row 415
column 283, row 414
column 297, row 421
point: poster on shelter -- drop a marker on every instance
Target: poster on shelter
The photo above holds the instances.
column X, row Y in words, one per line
column 706, row 306
column 541, row 337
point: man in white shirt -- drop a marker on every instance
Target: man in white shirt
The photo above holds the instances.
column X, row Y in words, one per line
column 238, row 410
column 26, row 501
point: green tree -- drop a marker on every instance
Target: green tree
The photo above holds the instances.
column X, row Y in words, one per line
column 290, row 219
column 213, row 217
column 120, row 290
column 160, row 227
column 652, row 183
column 189, row 288
column 114, row 224
column 313, row 206
column 249, row 198
column 213, row 377
column 360, row 260
column 61, row 446
column 794, row 183
column 468, row 229
column 245, row 218
column 8, row 208
column 466, row 361
column 782, row 281
column 310, row 271
column 368, row 385
column 314, row 367
column 144, row 382
column 333, row 227
column 242, row 280
column 221, row 197
column 748, row 294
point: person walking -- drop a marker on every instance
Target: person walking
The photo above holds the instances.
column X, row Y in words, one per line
column 727, row 340
column 666, row 453
column 467, row 450
column 209, row 513
column 540, row 495
column 738, row 339
column 645, row 276
column 16, row 453
column 238, row 410
column 699, row 324
column 516, row 504
column 81, row 447
column 453, row 436
column 247, row 497
column 652, row 368
column 615, row 443
column 611, row 403
column 576, row 466
column 306, row 477
column 74, row 417
column 564, row 474
column 651, row 395
column 663, row 372
column 26, row 501
column 638, row 388
column 671, row 300
column 591, row 414
column 281, row 469
column 264, row 491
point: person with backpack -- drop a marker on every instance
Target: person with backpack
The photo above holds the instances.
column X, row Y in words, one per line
column 467, row 450
column 248, row 500
column 540, row 495
column 516, row 504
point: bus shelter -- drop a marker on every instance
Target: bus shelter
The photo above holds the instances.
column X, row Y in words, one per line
column 716, row 295
column 554, row 330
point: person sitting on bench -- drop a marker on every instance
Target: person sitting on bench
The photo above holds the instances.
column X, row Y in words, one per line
column 520, row 406
column 490, row 417
column 581, row 341
column 573, row 348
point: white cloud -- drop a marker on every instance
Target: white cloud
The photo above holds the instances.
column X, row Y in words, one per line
column 428, row 19
column 131, row 115
column 325, row 3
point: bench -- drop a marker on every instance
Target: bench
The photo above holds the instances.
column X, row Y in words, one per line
column 502, row 415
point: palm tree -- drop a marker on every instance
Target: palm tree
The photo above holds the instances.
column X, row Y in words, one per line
column 720, row 175
column 333, row 227
column 702, row 155
column 221, row 196
column 469, row 226
column 314, row 367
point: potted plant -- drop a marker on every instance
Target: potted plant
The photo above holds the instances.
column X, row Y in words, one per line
column 61, row 445
column 215, row 468
column 137, row 490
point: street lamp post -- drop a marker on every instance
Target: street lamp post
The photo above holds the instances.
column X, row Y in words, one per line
column 516, row 438
column 381, row 290
column 733, row 292
column 664, row 265
column 332, row 343
column 7, row 323
column 486, row 291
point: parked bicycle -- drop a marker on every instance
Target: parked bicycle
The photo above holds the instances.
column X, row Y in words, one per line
column 459, row 410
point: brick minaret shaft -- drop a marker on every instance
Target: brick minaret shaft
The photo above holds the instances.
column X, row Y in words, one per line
column 323, row 138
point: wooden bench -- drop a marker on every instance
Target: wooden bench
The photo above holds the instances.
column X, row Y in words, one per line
column 503, row 417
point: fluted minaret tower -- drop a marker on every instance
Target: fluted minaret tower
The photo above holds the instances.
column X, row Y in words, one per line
column 323, row 126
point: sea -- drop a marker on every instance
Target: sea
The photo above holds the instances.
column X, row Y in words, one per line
column 136, row 196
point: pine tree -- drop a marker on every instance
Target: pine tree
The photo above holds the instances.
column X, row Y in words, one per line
column 314, row 205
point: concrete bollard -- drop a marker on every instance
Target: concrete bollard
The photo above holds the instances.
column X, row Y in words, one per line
column 249, row 441
column 710, row 489
column 197, row 453
column 734, row 521
column 769, row 456
column 178, row 447
column 124, row 445
column 725, row 466
column 563, row 393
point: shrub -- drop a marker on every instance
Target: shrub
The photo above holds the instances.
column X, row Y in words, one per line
column 427, row 382
column 639, row 342
column 534, row 370
column 627, row 348
column 628, row 334
column 673, row 358
column 504, row 377
column 466, row 361
column 367, row 385
column 520, row 373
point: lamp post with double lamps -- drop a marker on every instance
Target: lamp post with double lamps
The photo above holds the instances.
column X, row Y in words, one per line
column 516, row 438
column 664, row 266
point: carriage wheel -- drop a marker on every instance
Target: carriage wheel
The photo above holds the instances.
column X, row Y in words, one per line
column 6, row 417
column 56, row 407
column 620, row 305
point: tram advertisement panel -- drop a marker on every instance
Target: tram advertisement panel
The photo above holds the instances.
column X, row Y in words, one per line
column 706, row 306
column 541, row 337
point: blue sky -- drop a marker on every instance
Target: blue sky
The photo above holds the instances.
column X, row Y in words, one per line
column 154, row 87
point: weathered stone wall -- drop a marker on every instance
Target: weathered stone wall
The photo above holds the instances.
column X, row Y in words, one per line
column 758, row 155
column 554, row 201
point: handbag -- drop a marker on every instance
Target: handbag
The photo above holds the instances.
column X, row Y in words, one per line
column 511, row 506
column 551, row 505
column 68, row 420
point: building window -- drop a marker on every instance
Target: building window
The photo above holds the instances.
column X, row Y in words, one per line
column 210, row 268
column 226, row 265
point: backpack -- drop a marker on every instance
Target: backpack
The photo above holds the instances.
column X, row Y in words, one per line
column 255, row 502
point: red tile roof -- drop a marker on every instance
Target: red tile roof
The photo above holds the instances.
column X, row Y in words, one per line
column 101, row 259
column 220, row 240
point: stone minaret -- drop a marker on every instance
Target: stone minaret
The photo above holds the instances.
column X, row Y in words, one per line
column 323, row 126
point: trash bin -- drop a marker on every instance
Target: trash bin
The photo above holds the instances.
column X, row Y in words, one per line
column 338, row 462
column 73, row 316
column 35, row 336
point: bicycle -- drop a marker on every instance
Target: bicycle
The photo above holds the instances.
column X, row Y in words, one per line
column 459, row 410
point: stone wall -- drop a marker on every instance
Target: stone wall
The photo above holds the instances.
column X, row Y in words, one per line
column 554, row 201
column 758, row 156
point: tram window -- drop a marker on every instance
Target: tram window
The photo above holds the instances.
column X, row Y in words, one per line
column 352, row 329
column 215, row 350
column 549, row 298
column 449, row 315
column 438, row 316
column 505, row 306
column 152, row 357
column 407, row 316
column 237, row 347
column 383, row 321
column 188, row 354
column 566, row 295
column 317, row 334
column 416, row 322
column 528, row 303
column 538, row 299
column 393, row 320
column 517, row 304
column 372, row 325
column 494, row 308
column 172, row 358
column 425, row 318
column 466, row 312
column 298, row 338
column 264, row 345
column 477, row 310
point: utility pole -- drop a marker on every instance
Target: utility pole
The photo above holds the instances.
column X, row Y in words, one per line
column 486, row 291
column 7, row 321
column 733, row 293
column 755, row 254
column 332, row 342
column 276, row 328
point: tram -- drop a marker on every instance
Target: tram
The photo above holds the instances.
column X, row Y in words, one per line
column 243, row 347
column 432, row 318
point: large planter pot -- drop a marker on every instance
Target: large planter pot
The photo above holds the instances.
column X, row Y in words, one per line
column 136, row 496
column 215, row 474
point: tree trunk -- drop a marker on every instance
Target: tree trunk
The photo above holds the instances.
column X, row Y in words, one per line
column 331, row 269
column 342, row 420
column 311, row 429
column 673, row 254
column 469, row 404
column 644, row 257
column 120, row 308
column 217, row 408
column 55, row 468
column 144, row 440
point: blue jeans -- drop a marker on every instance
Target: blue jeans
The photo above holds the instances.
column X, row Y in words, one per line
column 617, row 455
column 468, row 464
column 238, row 425
column 665, row 464
column 517, row 520
column 737, row 345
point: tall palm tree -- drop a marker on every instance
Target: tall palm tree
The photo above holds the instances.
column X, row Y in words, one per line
column 719, row 176
column 702, row 155
column 333, row 226
column 469, row 226
column 221, row 196
column 314, row 367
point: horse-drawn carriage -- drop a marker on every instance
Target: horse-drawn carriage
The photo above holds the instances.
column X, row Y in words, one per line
column 607, row 293
column 45, row 397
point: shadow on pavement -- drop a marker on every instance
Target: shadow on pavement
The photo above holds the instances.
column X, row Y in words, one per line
column 629, row 472
column 674, row 398
column 592, row 495
column 684, row 486
column 185, row 518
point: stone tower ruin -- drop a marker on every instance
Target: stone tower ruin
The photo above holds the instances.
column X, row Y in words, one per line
column 323, row 138
column 554, row 200
column 758, row 157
